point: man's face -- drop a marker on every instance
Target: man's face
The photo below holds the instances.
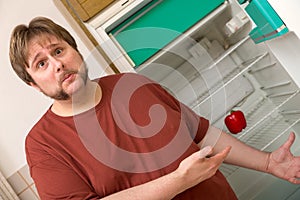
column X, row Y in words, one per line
column 57, row 69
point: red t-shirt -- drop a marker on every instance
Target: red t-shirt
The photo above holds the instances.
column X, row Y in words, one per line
column 137, row 133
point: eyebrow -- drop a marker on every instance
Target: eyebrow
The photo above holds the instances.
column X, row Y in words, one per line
column 38, row 54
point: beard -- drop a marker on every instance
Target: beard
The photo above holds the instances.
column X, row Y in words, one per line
column 61, row 94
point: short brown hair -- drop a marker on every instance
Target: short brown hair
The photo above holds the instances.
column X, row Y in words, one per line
column 21, row 36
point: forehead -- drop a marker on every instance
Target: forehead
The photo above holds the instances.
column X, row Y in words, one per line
column 43, row 40
column 40, row 42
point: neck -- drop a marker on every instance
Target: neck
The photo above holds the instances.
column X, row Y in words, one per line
column 84, row 99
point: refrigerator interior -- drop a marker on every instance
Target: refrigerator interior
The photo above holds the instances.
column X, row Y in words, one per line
column 214, row 68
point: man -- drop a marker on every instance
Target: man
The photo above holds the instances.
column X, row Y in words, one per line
column 122, row 136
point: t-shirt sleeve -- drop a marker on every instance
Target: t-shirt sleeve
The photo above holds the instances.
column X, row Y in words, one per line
column 198, row 125
column 52, row 177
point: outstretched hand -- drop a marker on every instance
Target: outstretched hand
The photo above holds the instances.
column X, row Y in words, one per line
column 283, row 164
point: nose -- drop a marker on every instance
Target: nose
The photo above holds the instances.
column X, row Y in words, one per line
column 57, row 64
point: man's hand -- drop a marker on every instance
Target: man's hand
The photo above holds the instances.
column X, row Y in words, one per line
column 198, row 167
column 283, row 164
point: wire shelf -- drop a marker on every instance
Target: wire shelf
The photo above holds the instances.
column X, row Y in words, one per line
column 227, row 79
column 265, row 124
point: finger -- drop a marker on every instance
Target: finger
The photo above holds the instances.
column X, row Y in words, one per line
column 205, row 151
column 289, row 141
column 294, row 180
column 297, row 175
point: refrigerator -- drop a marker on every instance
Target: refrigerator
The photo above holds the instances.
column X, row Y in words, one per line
column 216, row 56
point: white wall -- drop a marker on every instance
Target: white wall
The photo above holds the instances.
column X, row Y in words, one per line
column 289, row 12
column 20, row 105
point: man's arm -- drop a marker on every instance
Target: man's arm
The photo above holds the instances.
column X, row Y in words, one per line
column 55, row 180
column 280, row 163
column 191, row 171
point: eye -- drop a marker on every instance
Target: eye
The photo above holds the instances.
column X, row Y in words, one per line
column 41, row 64
column 58, row 51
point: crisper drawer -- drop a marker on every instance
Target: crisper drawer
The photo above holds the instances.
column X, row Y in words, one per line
column 157, row 24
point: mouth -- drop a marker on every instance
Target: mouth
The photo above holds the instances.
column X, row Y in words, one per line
column 66, row 77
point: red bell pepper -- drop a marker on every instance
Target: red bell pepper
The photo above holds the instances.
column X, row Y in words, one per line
column 236, row 121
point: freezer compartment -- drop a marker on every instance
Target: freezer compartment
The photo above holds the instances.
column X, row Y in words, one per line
column 148, row 30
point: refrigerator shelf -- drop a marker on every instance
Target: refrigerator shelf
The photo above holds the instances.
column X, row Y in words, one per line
column 263, row 111
column 227, row 79
column 266, row 123
column 227, row 53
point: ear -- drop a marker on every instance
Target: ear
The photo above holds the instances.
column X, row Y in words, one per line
column 35, row 86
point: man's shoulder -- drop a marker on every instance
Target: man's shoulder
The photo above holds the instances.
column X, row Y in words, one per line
column 42, row 123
